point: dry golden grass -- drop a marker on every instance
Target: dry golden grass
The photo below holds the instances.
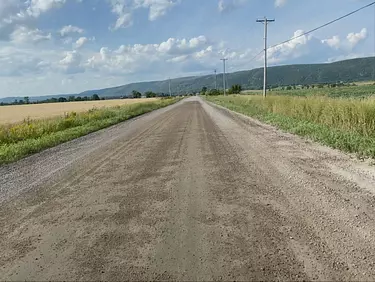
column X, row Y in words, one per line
column 365, row 83
column 17, row 113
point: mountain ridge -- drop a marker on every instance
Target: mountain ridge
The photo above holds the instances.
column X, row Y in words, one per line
column 360, row 69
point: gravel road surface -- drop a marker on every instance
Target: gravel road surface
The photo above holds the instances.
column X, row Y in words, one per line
column 188, row 192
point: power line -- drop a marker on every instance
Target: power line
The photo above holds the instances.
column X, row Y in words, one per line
column 324, row 25
column 315, row 29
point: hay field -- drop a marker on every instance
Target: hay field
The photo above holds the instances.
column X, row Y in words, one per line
column 17, row 113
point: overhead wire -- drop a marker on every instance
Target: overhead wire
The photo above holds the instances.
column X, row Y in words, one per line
column 315, row 29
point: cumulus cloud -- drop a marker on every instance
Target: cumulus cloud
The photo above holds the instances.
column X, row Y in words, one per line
column 280, row 3
column 125, row 8
column 355, row 38
column 230, row 5
column 132, row 58
column 352, row 40
column 157, row 8
column 17, row 62
column 295, row 47
column 38, row 7
column 24, row 34
column 81, row 41
column 71, row 63
column 14, row 13
column 68, row 29
column 333, row 42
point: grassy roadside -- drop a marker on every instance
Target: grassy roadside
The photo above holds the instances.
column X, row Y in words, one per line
column 345, row 124
column 32, row 136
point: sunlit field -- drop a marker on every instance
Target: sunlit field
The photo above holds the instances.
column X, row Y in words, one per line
column 17, row 113
column 28, row 136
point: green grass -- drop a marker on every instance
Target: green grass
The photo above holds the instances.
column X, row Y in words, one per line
column 359, row 92
column 32, row 136
column 345, row 124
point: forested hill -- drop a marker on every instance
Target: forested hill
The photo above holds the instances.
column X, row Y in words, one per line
column 362, row 69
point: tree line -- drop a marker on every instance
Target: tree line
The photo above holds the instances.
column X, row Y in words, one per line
column 135, row 94
column 235, row 89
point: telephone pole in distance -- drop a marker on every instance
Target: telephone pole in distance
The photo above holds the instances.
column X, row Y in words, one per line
column 224, row 86
column 215, row 79
column 265, row 21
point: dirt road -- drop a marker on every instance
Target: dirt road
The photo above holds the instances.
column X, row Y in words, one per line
column 189, row 192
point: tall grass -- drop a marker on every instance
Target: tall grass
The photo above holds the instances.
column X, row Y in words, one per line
column 346, row 124
column 361, row 92
column 31, row 136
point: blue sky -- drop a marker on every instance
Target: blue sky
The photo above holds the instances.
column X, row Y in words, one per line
column 68, row 46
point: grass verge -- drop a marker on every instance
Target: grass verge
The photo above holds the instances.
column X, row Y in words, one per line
column 32, row 136
column 345, row 124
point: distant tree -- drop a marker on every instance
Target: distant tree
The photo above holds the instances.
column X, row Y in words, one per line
column 313, row 86
column 62, row 99
column 85, row 98
column 204, row 90
column 307, row 86
column 95, row 97
column 289, row 87
column 71, row 98
column 27, row 100
column 150, row 94
column 78, row 98
column 214, row 92
column 235, row 89
column 21, row 102
column 294, row 87
column 320, row 86
column 136, row 94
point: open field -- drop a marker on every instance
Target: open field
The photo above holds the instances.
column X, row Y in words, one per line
column 362, row 90
column 12, row 114
column 30, row 136
column 346, row 124
column 191, row 192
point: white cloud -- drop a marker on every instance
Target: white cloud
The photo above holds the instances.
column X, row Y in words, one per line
column 137, row 57
column 352, row 40
column 180, row 46
column 333, row 42
column 81, row 41
column 293, row 48
column 157, row 8
column 280, row 3
column 125, row 8
column 16, row 62
column 40, row 6
column 68, row 29
column 230, row 5
column 25, row 35
column 14, row 13
column 71, row 63
column 355, row 38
